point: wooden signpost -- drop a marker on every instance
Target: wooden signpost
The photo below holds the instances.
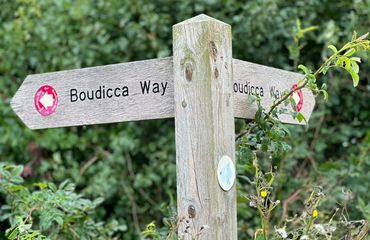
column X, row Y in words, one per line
column 201, row 86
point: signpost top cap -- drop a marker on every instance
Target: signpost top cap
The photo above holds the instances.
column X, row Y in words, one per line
column 200, row 18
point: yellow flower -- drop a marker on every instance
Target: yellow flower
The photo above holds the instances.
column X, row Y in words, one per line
column 263, row 194
column 315, row 213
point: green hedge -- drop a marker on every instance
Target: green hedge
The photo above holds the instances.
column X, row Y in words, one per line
column 133, row 164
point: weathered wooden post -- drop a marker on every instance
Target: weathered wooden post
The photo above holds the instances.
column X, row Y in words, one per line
column 204, row 119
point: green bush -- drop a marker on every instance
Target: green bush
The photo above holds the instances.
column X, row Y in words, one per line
column 132, row 165
column 58, row 212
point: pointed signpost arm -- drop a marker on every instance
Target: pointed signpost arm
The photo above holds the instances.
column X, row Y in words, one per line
column 204, row 119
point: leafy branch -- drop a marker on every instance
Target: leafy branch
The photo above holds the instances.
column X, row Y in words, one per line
column 341, row 58
column 49, row 210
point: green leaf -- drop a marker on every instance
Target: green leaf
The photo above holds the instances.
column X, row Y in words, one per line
column 339, row 62
column 304, row 69
column 325, row 69
column 264, row 145
column 59, row 220
column 42, row 185
column 355, row 77
column 12, row 234
column 258, row 115
column 52, row 186
column 333, row 48
column 67, row 186
column 327, row 166
column 245, row 178
column 285, row 129
column 98, row 201
column 246, row 154
column 293, row 113
column 347, row 45
column 309, row 29
column 350, row 52
column 325, row 93
column 343, row 62
column 33, row 235
column 347, row 62
column 355, row 66
column 300, row 117
column 285, row 146
column 357, row 59
column 298, row 23
column 17, row 171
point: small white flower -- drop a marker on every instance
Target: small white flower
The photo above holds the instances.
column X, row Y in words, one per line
column 324, row 230
column 282, row 232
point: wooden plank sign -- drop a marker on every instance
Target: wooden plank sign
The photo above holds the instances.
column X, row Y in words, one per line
column 139, row 90
column 105, row 94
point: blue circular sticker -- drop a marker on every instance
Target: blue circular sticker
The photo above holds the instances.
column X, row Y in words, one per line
column 226, row 173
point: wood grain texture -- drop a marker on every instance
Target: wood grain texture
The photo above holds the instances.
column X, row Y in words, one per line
column 138, row 106
column 271, row 80
column 204, row 124
column 135, row 106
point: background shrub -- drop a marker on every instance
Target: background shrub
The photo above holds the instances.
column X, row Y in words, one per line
column 132, row 165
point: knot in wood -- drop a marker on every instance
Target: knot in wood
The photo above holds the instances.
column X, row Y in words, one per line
column 191, row 211
column 216, row 73
column 189, row 71
column 183, row 104
column 213, row 50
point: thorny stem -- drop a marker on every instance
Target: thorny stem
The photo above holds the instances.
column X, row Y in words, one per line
column 29, row 215
column 264, row 223
column 286, row 96
column 318, row 71
column 363, row 232
column 74, row 233
column 312, row 218
column 262, row 215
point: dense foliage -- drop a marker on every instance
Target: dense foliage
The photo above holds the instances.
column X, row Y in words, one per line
column 132, row 165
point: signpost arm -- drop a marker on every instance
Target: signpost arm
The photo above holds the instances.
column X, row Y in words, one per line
column 204, row 119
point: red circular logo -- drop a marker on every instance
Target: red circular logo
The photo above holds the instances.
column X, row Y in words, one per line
column 46, row 100
column 297, row 97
